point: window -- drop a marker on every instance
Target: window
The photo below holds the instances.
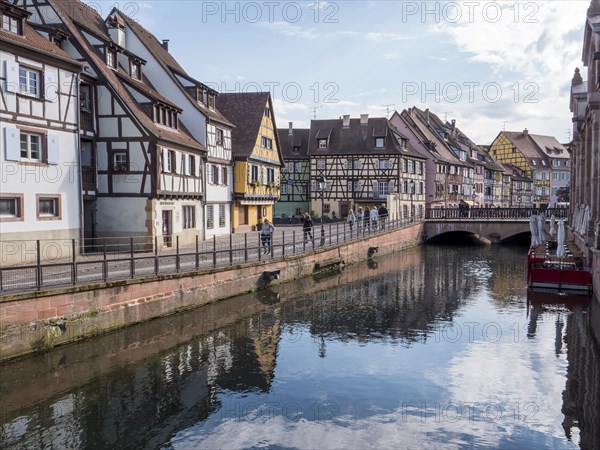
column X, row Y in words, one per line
column 48, row 207
column 296, row 149
column 165, row 116
column 298, row 212
column 136, row 70
column 556, row 163
column 191, row 167
column 379, row 142
column 31, row 146
column 404, row 165
column 170, row 163
column 111, row 58
column 420, row 168
column 210, row 217
column 411, row 166
column 120, row 162
column 303, row 190
column 357, row 164
column 224, row 176
column 383, row 188
column 383, row 164
column 11, row 24
column 221, row 216
column 270, row 175
column 568, row 163
column 11, row 208
column 322, row 143
column 85, row 98
column 284, row 189
column 215, row 174
column 321, row 164
column 533, row 162
column 219, row 137
column 29, row 81
column 189, row 217
column 543, row 162
column 266, row 142
column 267, row 112
column 254, row 173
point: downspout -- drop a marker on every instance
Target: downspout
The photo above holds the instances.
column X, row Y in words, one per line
column 203, row 177
column 79, row 167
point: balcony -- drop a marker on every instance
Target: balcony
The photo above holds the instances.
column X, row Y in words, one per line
column 88, row 178
column 86, row 122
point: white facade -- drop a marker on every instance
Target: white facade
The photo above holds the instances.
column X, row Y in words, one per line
column 216, row 137
column 39, row 176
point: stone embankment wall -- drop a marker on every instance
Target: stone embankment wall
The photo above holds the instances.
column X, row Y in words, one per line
column 32, row 322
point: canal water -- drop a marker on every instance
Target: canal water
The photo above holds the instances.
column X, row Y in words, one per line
column 437, row 347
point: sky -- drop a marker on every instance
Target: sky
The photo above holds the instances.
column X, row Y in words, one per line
column 489, row 65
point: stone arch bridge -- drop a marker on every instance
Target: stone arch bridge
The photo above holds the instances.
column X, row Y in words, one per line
column 493, row 224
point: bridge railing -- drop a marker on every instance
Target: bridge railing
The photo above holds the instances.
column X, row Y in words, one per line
column 434, row 214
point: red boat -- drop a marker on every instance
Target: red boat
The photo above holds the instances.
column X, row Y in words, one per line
column 548, row 271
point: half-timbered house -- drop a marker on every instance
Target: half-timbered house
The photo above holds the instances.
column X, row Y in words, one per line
column 362, row 161
column 436, row 166
column 256, row 154
column 39, row 160
column 295, row 175
column 540, row 157
column 149, row 181
column 200, row 116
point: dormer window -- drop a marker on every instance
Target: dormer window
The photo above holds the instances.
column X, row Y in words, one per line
column 322, row 143
column 533, row 162
column 11, row 24
column 211, row 101
column 165, row 116
column 379, row 142
column 296, row 149
column 111, row 58
column 136, row 70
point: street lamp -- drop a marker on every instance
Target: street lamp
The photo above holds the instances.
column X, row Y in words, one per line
column 412, row 193
column 321, row 185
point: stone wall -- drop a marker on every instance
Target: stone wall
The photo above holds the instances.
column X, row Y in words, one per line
column 37, row 321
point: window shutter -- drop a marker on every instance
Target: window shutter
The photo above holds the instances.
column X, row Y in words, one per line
column 165, row 159
column 11, row 74
column 196, row 166
column 265, row 175
column 276, row 176
column 313, row 185
column 53, row 149
column 50, row 87
column 12, row 144
column 298, row 167
column 345, row 164
column 188, row 166
column 359, row 185
column 360, row 163
column 392, row 187
column 375, row 186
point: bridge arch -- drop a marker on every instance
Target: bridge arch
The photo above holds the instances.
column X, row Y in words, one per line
column 495, row 232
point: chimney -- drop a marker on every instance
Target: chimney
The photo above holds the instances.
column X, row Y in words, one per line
column 525, row 132
column 116, row 30
column 291, row 129
column 427, row 115
column 346, row 121
column 453, row 123
column 165, row 44
column 364, row 119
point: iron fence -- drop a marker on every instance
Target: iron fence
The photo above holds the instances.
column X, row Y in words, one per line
column 74, row 262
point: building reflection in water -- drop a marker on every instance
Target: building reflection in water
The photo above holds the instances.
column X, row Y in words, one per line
column 581, row 397
column 139, row 387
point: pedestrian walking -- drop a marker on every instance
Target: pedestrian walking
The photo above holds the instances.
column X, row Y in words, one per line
column 351, row 220
column 307, row 227
column 367, row 220
column 383, row 214
column 374, row 217
column 266, row 235
column 359, row 219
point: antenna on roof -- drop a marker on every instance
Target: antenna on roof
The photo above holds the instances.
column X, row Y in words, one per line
column 504, row 125
column 446, row 115
column 315, row 111
column 568, row 135
column 387, row 109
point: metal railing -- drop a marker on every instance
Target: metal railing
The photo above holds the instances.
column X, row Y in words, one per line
column 502, row 214
column 55, row 263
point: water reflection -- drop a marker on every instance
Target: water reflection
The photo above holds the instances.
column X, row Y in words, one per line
column 431, row 347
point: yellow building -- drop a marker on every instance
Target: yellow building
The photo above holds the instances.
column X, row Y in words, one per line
column 257, row 157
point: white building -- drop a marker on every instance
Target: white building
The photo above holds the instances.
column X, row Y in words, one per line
column 145, row 165
column 40, row 183
column 200, row 115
